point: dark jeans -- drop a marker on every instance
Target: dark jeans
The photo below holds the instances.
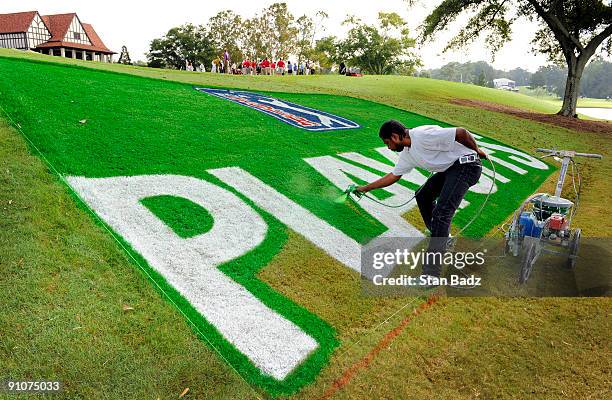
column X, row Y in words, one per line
column 438, row 200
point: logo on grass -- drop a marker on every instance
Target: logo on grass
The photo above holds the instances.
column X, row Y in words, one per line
column 290, row 113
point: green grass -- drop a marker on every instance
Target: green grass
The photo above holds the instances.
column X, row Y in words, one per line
column 542, row 95
column 61, row 272
column 596, row 103
column 176, row 130
column 184, row 217
column 64, row 283
column 420, row 93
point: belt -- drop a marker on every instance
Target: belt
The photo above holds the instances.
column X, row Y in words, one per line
column 468, row 158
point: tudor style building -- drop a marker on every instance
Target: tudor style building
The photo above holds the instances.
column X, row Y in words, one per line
column 57, row 35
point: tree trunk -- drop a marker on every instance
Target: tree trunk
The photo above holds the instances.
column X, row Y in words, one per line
column 575, row 67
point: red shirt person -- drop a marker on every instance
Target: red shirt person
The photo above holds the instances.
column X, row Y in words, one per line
column 281, row 66
column 265, row 66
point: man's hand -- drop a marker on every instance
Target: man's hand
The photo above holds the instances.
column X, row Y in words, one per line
column 482, row 154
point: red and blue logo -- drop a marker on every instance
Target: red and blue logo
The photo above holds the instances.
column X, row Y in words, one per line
column 290, row 113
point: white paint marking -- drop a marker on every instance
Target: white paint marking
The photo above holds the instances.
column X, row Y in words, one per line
column 335, row 169
column 507, row 164
column 333, row 241
column 498, row 177
column 274, row 344
column 517, row 156
column 413, row 176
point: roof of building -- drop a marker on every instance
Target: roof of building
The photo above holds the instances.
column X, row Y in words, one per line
column 95, row 39
column 58, row 25
column 503, row 80
column 16, row 22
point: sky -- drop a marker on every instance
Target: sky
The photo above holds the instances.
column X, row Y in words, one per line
column 135, row 23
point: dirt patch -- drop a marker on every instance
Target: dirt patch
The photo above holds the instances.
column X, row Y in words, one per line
column 553, row 119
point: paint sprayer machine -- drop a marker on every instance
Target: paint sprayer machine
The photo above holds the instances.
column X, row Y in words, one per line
column 543, row 222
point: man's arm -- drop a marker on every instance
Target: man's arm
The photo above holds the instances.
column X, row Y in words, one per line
column 385, row 181
column 465, row 138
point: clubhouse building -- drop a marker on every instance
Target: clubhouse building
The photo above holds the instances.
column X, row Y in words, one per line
column 57, row 35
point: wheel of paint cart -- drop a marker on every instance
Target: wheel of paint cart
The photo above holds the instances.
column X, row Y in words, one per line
column 573, row 249
column 529, row 245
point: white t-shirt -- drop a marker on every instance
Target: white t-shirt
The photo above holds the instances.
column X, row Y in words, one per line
column 432, row 148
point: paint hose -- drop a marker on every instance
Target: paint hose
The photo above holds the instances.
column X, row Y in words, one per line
column 352, row 189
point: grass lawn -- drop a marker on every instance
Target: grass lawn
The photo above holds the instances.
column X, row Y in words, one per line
column 540, row 94
column 67, row 283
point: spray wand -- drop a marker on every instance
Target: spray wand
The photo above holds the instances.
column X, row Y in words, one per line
column 351, row 189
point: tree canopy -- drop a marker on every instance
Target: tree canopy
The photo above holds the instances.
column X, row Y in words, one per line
column 570, row 30
column 274, row 32
column 596, row 79
column 382, row 49
column 226, row 32
column 186, row 43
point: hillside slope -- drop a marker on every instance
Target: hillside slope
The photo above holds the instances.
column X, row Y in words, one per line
column 67, row 284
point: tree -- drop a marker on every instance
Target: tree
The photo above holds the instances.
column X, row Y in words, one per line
column 186, row 43
column 382, row 49
column 570, row 30
column 520, row 76
column 277, row 27
column 325, row 52
column 226, row 31
column 253, row 45
column 481, row 80
column 551, row 77
column 538, row 80
column 597, row 80
column 305, row 28
column 453, row 71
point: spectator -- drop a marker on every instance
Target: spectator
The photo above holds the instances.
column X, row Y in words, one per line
column 342, row 69
column 281, row 66
column 272, row 68
column 265, row 64
column 289, row 67
column 218, row 65
column 226, row 62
